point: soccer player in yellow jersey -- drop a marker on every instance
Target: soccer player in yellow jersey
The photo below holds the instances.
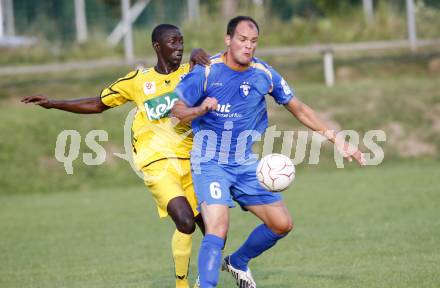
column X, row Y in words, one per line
column 160, row 148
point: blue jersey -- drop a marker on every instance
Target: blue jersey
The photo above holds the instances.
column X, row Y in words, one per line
column 227, row 134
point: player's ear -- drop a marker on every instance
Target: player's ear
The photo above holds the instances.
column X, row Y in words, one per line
column 228, row 40
column 156, row 46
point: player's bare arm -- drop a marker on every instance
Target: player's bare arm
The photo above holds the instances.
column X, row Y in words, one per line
column 82, row 106
column 199, row 56
column 308, row 117
column 186, row 114
column 94, row 104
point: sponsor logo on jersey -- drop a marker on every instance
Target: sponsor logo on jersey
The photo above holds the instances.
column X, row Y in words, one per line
column 217, row 84
column 160, row 107
column 224, row 111
column 149, row 88
column 245, row 88
column 224, row 108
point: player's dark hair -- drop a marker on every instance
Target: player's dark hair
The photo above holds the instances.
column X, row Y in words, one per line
column 232, row 25
column 160, row 29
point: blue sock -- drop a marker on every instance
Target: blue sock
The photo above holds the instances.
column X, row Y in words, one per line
column 210, row 256
column 260, row 240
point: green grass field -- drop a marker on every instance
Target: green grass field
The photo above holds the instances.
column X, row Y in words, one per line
column 371, row 227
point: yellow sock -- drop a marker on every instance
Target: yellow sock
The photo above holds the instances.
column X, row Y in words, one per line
column 181, row 245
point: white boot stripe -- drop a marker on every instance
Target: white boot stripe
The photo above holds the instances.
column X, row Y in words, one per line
column 242, row 279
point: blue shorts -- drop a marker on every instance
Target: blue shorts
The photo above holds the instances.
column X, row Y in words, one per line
column 220, row 184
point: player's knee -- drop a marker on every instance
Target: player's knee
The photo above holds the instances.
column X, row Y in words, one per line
column 186, row 225
column 222, row 231
column 219, row 229
column 283, row 227
column 289, row 227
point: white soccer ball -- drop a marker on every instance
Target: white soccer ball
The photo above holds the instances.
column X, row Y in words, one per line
column 275, row 172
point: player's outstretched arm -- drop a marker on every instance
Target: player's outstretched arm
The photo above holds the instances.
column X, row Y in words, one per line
column 186, row 114
column 308, row 117
column 82, row 105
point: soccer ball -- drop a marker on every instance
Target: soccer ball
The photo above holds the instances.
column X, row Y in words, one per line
column 275, row 172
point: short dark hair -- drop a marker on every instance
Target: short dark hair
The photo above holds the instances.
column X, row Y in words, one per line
column 232, row 25
column 160, row 29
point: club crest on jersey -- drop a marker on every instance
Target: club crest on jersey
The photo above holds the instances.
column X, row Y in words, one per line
column 149, row 88
column 245, row 88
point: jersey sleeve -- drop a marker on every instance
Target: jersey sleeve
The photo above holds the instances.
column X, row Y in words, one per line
column 281, row 91
column 191, row 89
column 120, row 91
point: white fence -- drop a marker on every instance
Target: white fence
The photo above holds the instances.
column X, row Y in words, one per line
column 131, row 13
column 328, row 51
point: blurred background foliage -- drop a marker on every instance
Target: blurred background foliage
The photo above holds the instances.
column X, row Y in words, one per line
column 283, row 23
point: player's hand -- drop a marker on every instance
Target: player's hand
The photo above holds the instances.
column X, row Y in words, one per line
column 350, row 152
column 41, row 100
column 209, row 104
column 199, row 56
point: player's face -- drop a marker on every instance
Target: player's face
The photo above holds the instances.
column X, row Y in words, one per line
column 171, row 46
column 243, row 43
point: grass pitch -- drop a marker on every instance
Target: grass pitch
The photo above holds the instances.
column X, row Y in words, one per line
column 369, row 227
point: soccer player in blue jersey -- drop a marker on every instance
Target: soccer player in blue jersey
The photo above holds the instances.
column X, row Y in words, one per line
column 226, row 103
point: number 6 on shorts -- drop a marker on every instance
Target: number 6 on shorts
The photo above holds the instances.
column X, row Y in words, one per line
column 215, row 190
